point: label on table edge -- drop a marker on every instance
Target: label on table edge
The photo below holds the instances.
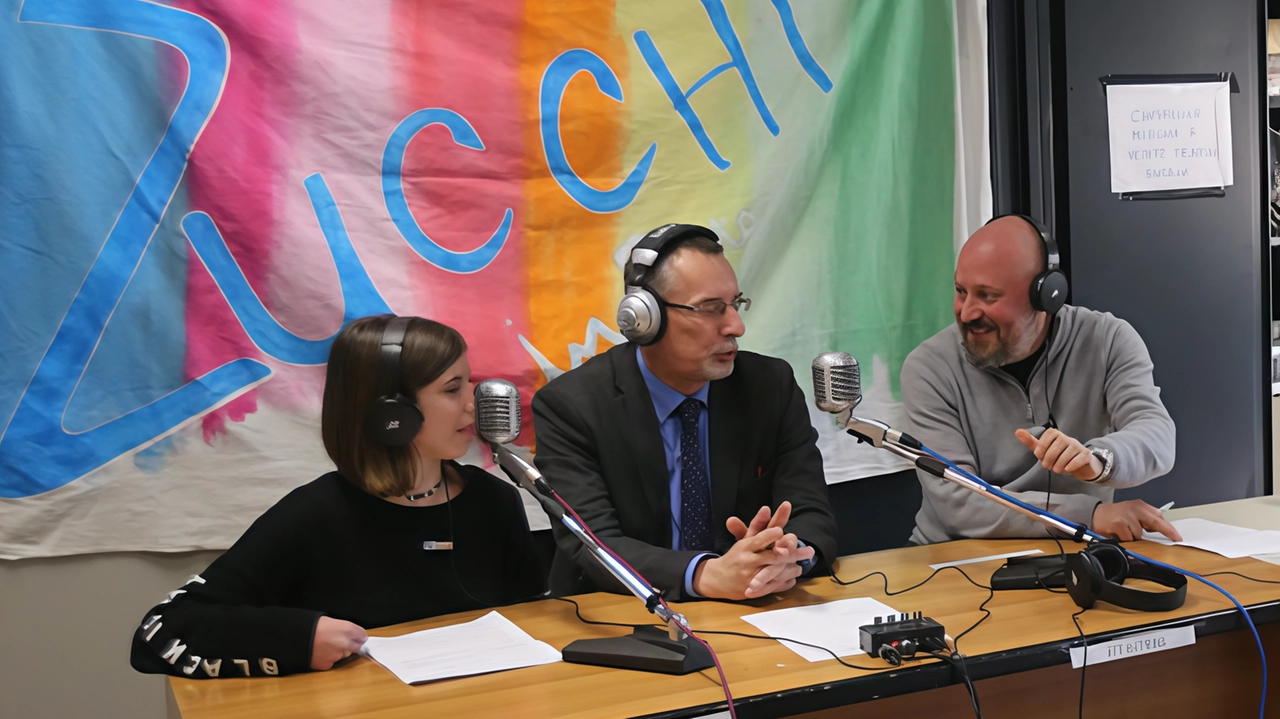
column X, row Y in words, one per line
column 1134, row 645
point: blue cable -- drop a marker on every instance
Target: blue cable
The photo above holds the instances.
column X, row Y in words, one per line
column 1248, row 619
column 1040, row 512
column 1000, row 493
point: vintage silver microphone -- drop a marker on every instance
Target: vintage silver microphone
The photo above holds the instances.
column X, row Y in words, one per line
column 837, row 388
column 498, row 423
column 837, row 382
column 647, row 649
column 498, row 411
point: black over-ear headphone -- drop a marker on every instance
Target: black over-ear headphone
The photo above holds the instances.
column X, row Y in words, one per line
column 642, row 316
column 395, row 419
column 1097, row 574
column 1049, row 288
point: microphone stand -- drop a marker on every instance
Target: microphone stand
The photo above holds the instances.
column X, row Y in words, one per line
column 647, row 648
column 879, row 434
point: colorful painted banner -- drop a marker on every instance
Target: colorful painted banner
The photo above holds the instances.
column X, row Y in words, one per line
column 196, row 196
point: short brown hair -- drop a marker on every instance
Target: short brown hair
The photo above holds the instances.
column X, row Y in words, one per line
column 354, row 381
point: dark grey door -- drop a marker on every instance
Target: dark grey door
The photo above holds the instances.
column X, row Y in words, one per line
column 1191, row 275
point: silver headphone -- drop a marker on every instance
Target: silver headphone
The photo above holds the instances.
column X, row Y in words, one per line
column 642, row 315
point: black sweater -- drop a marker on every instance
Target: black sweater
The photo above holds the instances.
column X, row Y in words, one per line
column 330, row 548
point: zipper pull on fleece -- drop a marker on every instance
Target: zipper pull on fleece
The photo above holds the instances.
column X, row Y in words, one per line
column 1030, row 413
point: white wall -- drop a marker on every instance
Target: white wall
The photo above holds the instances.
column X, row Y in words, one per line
column 65, row 628
column 973, row 203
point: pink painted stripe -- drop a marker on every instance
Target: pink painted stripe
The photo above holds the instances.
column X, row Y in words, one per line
column 464, row 56
column 231, row 178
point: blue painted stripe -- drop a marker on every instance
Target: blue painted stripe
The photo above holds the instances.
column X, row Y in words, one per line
column 37, row 454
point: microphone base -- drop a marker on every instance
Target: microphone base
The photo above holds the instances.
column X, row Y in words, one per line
column 647, row 649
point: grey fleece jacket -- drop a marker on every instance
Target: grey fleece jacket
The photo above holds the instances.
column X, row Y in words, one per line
column 1096, row 373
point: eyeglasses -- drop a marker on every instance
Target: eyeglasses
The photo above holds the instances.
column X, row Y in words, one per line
column 712, row 308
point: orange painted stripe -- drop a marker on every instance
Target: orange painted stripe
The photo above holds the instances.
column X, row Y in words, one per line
column 569, row 250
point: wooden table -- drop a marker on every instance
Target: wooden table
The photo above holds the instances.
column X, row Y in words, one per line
column 1018, row 656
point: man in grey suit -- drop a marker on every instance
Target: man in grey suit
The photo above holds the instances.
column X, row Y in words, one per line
column 694, row 461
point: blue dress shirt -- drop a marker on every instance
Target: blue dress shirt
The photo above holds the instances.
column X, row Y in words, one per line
column 665, row 402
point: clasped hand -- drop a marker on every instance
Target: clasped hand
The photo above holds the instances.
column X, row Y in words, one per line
column 764, row 559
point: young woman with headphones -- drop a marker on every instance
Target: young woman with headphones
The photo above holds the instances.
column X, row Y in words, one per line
column 399, row 532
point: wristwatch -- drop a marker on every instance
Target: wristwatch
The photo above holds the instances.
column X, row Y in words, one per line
column 1108, row 459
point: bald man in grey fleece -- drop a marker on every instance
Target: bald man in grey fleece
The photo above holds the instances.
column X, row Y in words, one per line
column 972, row 390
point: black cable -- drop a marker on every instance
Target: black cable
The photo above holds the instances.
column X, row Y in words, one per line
column 986, row 613
column 1062, row 553
column 956, row 660
column 973, row 692
column 453, row 554
column 1084, row 663
column 1048, row 499
column 1040, row 579
column 745, row 635
column 1243, row 576
column 1048, row 404
column 577, row 610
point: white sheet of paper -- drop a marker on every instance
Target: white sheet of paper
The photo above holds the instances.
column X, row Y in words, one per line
column 491, row 643
column 975, row 560
column 1229, row 541
column 833, row 625
column 1169, row 136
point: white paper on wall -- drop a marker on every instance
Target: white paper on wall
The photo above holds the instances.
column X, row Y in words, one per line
column 1169, row 136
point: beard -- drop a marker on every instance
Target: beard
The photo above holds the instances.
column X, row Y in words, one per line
column 994, row 352
column 997, row 348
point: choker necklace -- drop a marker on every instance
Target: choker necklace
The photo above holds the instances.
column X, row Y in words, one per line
column 428, row 493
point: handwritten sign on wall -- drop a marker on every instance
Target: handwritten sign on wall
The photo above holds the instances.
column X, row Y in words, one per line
column 1169, row 136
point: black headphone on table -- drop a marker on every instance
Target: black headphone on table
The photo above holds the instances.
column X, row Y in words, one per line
column 1097, row 574
column 642, row 316
column 395, row 418
column 1049, row 288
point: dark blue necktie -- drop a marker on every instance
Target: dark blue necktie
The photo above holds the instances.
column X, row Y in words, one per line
column 695, row 490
